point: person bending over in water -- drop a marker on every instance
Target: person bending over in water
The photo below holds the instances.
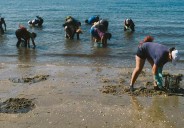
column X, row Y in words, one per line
column 102, row 25
column 100, row 36
column 157, row 55
column 92, row 19
column 38, row 21
column 129, row 25
column 99, row 32
column 72, row 27
column 23, row 33
column 2, row 22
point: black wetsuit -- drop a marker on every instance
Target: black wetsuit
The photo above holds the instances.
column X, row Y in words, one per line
column 22, row 34
column 1, row 25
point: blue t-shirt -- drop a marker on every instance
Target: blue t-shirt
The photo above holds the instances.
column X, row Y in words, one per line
column 92, row 19
column 156, row 52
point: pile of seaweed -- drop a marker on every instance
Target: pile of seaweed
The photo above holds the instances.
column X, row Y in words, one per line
column 16, row 105
column 34, row 79
column 171, row 87
column 172, row 81
column 141, row 91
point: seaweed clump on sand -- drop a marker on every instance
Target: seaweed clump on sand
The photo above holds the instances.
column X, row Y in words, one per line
column 16, row 105
column 172, row 84
column 171, row 87
column 34, row 79
column 145, row 92
column 172, row 81
column 109, row 89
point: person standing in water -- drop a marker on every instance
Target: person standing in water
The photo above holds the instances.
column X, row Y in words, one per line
column 129, row 25
column 2, row 22
column 38, row 21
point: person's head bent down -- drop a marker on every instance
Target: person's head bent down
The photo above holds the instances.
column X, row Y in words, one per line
column 157, row 55
column 174, row 55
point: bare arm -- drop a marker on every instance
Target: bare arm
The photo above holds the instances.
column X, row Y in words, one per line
column 4, row 26
column 33, row 42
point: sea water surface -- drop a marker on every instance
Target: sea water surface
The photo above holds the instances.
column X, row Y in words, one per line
column 162, row 19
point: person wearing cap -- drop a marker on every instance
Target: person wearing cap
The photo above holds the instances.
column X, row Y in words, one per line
column 38, row 21
column 157, row 55
column 2, row 22
column 23, row 33
column 92, row 19
column 129, row 25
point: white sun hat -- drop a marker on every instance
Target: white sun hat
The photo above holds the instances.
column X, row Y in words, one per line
column 175, row 56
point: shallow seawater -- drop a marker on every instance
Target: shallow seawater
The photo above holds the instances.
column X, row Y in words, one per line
column 161, row 19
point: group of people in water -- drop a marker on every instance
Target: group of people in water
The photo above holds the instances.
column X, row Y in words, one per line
column 22, row 34
column 156, row 54
column 99, row 29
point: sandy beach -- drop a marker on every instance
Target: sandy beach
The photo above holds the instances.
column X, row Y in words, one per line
column 71, row 97
column 76, row 83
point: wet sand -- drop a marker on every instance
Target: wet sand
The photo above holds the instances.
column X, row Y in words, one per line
column 71, row 97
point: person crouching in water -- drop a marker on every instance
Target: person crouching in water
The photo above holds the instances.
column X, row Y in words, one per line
column 157, row 55
column 102, row 25
column 100, row 36
column 129, row 25
column 39, row 21
column 99, row 32
column 72, row 27
column 23, row 34
column 2, row 22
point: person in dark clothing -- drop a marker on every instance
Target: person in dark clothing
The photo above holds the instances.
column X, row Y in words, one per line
column 102, row 25
column 157, row 55
column 2, row 22
column 39, row 21
column 129, row 25
column 23, row 34
column 105, row 24
column 72, row 27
